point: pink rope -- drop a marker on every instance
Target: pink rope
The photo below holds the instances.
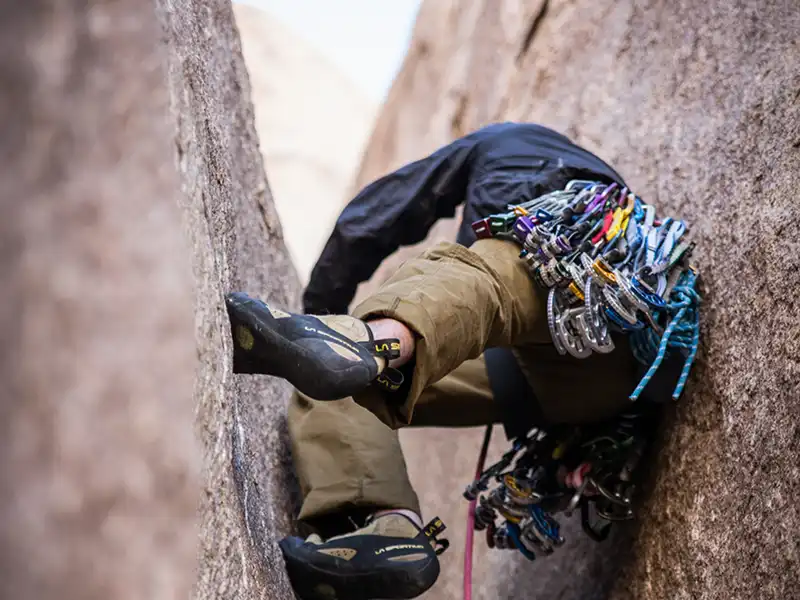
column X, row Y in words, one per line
column 471, row 518
column 468, row 551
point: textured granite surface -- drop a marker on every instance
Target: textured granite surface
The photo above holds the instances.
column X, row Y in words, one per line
column 237, row 244
column 698, row 105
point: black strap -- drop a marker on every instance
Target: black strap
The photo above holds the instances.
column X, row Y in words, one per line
column 518, row 406
column 390, row 379
column 431, row 533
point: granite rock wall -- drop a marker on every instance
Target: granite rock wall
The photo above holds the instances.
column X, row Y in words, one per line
column 697, row 104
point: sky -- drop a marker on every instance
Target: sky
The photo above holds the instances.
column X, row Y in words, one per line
column 367, row 39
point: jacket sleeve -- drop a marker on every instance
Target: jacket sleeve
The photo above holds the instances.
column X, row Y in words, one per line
column 397, row 210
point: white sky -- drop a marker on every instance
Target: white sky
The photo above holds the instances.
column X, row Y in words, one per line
column 367, row 39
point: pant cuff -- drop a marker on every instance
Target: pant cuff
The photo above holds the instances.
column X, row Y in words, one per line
column 366, row 493
column 394, row 409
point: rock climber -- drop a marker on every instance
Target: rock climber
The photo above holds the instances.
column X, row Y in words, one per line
column 442, row 342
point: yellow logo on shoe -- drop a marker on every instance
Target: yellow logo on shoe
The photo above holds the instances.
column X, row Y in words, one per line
column 434, row 528
column 385, row 347
column 387, row 383
column 244, row 338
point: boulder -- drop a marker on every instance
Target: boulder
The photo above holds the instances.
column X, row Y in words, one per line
column 237, row 245
column 135, row 465
column 697, row 104
column 100, row 468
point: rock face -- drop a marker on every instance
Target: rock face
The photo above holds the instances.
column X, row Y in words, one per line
column 312, row 124
column 237, row 244
column 100, row 470
column 698, row 105
column 118, row 119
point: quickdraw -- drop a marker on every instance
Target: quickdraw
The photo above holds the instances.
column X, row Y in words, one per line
column 611, row 267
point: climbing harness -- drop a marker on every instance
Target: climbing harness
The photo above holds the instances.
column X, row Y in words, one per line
column 611, row 266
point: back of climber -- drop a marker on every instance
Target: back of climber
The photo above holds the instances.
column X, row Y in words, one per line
column 413, row 353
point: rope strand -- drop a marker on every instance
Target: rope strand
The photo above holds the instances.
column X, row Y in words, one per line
column 682, row 334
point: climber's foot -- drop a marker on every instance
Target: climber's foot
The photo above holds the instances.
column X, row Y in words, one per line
column 390, row 558
column 325, row 357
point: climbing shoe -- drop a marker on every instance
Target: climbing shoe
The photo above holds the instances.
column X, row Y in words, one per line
column 389, row 558
column 325, row 357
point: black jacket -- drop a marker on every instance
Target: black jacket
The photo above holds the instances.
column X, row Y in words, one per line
column 486, row 170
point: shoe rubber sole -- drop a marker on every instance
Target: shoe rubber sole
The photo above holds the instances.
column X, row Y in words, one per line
column 312, row 582
column 269, row 353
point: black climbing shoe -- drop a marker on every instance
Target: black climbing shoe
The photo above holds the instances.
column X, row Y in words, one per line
column 325, row 357
column 390, row 558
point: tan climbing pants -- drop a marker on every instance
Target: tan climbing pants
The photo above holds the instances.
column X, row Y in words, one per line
column 458, row 302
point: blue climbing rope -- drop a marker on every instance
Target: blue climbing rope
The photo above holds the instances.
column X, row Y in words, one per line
column 682, row 334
